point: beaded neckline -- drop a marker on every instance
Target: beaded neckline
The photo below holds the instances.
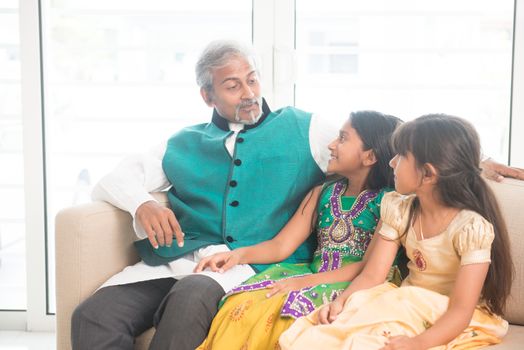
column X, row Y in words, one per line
column 342, row 226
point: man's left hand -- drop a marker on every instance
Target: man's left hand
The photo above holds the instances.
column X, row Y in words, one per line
column 496, row 171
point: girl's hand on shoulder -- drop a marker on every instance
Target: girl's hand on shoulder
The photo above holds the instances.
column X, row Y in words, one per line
column 287, row 285
column 219, row 262
column 329, row 312
column 402, row 342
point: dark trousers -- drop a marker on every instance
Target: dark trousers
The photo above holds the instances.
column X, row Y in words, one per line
column 181, row 311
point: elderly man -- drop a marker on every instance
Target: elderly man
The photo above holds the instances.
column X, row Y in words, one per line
column 235, row 181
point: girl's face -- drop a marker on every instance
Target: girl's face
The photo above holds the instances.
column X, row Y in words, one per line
column 347, row 152
column 407, row 176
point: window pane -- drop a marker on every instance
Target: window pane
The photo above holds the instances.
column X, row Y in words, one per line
column 119, row 79
column 12, row 229
column 409, row 58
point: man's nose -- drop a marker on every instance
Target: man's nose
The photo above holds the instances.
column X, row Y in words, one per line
column 247, row 92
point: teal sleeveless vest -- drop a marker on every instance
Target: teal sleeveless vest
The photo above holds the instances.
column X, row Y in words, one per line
column 243, row 199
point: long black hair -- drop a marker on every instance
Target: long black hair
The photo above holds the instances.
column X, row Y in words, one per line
column 452, row 146
column 375, row 130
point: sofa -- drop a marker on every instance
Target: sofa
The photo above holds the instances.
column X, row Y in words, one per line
column 94, row 241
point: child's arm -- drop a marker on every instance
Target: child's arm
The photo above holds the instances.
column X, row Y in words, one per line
column 294, row 233
column 462, row 303
column 374, row 273
column 344, row 274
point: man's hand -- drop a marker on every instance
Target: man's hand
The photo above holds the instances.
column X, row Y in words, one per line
column 402, row 342
column 287, row 285
column 496, row 171
column 328, row 313
column 219, row 262
column 160, row 224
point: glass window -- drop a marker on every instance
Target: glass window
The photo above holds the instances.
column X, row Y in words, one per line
column 119, row 79
column 12, row 212
column 408, row 58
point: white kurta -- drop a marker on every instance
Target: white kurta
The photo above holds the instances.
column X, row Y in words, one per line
column 128, row 187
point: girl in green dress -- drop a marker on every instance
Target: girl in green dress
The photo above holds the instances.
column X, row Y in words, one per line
column 343, row 213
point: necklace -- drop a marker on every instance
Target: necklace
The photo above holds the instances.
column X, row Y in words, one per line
column 420, row 227
column 342, row 226
column 420, row 223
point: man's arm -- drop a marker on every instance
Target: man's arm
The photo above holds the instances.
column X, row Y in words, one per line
column 128, row 186
column 497, row 171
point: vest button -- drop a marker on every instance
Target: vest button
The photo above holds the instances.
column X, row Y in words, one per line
column 238, row 162
column 233, row 183
column 229, row 239
column 234, row 204
column 240, row 140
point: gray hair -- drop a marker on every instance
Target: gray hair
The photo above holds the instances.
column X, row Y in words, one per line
column 216, row 55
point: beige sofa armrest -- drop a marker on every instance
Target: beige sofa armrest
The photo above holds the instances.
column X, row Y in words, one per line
column 93, row 242
column 510, row 196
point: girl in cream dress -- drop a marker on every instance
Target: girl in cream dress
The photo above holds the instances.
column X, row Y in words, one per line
column 460, row 268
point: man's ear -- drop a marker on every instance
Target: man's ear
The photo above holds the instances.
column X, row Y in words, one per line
column 369, row 157
column 430, row 174
column 206, row 96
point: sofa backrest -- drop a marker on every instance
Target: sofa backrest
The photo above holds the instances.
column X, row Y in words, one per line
column 510, row 196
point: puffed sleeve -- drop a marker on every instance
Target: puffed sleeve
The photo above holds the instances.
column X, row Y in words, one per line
column 394, row 213
column 473, row 242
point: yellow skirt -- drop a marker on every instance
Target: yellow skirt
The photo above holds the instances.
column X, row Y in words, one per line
column 371, row 316
column 248, row 320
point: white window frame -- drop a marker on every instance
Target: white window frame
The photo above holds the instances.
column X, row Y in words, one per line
column 274, row 40
column 37, row 318
column 516, row 147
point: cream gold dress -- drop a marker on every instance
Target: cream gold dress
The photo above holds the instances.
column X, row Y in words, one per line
column 371, row 316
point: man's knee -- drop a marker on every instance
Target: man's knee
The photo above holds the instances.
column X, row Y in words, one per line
column 184, row 318
column 198, row 285
column 113, row 316
column 102, row 312
column 85, row 323
column 191, row 296
column 197, row 290
column 85, row 312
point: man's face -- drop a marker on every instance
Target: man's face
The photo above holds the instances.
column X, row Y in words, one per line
column 236, row 92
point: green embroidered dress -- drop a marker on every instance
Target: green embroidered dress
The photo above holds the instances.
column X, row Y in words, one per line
column 253, row 321
column 346, row 225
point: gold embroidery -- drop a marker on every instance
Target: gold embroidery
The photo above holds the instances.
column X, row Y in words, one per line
column 269, row 323
column 238, row 312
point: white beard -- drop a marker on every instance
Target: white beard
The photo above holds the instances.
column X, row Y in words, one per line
column 253, row 118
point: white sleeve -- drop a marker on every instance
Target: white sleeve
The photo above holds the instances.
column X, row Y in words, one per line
column 128, row 186
column 321, row 133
